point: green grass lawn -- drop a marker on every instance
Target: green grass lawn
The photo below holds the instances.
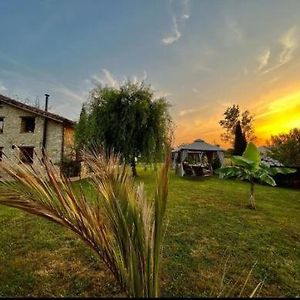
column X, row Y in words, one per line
column 209, row 223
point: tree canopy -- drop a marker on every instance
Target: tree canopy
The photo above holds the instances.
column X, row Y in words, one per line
column 285, row 147
column 232, row 116
column 240, row 142
column 128, row 120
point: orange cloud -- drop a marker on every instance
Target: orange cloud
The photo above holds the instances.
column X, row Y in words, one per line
column 280, row 115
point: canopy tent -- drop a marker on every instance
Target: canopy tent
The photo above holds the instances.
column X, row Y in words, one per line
column 196, row 158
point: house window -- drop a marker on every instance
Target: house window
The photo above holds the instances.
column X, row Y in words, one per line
column 1, row 124
column 27, row 124
column 1, row 153
column 26, row 154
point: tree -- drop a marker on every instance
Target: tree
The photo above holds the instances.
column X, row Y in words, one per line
column 240, row 142
column 250, row 167
column 286, row 147
column 232, row 116
column 81, row 129
column 130, row 121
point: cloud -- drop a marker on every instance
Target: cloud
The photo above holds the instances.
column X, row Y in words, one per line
column 263, row 59
column 245, row 71
column 178, row 20
column 110, row 79
column 162, row 94
column 186, row 9
column 274, row 79
column 198, row 66
column 145, row 75
column 199, row 125
column 273, row 107
column 234, row 30
column 279, row 105
column 185, row 112
column 69, row 93
column 106, row 79
column 195, row 90
column 29, row 81
column 175, row 36
column 287, row 44
column 137, row 79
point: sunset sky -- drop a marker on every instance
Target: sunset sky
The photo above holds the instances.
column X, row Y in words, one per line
column 202, row 55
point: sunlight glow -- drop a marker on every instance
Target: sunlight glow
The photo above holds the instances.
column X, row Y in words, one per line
column 281, row 115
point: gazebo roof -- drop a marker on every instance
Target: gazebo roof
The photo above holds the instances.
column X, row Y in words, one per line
column 199, row 145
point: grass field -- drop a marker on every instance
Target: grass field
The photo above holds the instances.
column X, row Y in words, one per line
column 209, row 224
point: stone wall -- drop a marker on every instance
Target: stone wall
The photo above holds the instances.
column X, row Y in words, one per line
column 12, row 134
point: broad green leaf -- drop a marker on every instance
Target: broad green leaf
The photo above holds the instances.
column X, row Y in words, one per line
column 281, row 170
column 263, row 165
column 242, row 161
column 229, row 171
column 251, row 153
column 267, row 179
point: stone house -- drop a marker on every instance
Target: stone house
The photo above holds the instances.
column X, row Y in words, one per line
column 25, row 130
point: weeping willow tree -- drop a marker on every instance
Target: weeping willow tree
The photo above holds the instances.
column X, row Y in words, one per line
column 128, row 120
column 122, row 225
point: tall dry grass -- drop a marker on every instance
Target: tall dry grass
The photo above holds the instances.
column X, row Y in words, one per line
column 123, row 226
column 237, row 288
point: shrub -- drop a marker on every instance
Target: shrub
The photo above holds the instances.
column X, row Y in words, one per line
column 70, row 167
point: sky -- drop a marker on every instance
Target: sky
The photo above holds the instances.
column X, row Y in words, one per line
column 202, row 55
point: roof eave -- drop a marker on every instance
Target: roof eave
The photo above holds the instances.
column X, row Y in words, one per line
column 36, row 111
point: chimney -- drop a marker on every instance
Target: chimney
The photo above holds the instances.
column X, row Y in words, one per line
column 46, row 102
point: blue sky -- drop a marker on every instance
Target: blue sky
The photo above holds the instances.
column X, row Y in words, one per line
column 202, row 55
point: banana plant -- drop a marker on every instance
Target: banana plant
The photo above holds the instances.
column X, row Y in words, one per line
column 251, row 168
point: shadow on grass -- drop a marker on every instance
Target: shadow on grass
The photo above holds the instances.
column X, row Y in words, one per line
column 195, row 178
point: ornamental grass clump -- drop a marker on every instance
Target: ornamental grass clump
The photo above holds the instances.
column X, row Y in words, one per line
column 121, row 224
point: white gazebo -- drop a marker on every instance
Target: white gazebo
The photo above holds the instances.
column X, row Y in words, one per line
column 196, row 159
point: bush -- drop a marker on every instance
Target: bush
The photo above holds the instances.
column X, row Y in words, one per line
column 70, row 167
column 289, row 180
column 285, row 148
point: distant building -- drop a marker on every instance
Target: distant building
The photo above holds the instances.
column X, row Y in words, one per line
column 271, row 162
column 26, row 130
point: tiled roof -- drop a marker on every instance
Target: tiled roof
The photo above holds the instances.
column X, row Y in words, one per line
column 271, row 162
column 36, row 110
